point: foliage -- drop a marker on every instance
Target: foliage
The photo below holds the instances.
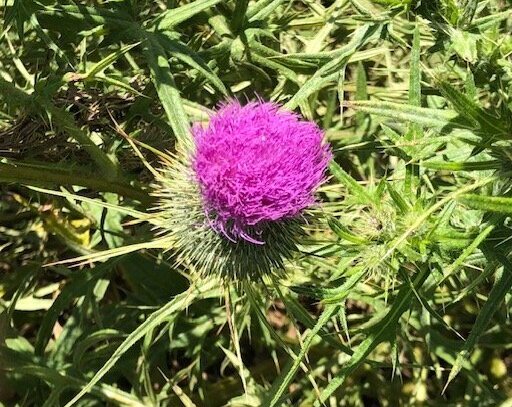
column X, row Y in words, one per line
column 400, row 291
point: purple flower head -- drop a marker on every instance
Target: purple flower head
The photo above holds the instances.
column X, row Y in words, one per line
column 257, row 164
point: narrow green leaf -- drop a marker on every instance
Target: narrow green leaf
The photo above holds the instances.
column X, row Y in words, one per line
column 378, row 334
column 468, row 8
column 415, row 69
column 435, row 118
column 189, row 57
column 65, row 122
column 487, row 203
column 470, row 87
column 94, row 201
column 269, row 63
column 261, row 9
column 339, row 294
column 177, row 304
column 13, row 96
column 414, row 130
column 239, row 15
column 281, row 384
column 88, row 342
column 301, row 314
column 463, row 166
column 49, row 42
column 361, row 91
column 37, row 175
column 175, row 16
column 117, row 83
column 400, row 202
column 397, row 242
column 501, row 288
column 99, row 16
column 488, row 124
column 108, row 60
column 457, row 264
column 330, row 71
column 344, row 233
column 488, row 21
column 369, row 9
column 167, row 91
column 78, row 286
column 23, row 365
column 350, row 183
column 104, row 255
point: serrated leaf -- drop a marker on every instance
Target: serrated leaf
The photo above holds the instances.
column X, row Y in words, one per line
column 435, row 118
column 488, row 124
column 487, row 203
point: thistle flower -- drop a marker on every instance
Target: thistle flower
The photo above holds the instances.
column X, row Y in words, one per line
column 235, row 207
column 257, row 164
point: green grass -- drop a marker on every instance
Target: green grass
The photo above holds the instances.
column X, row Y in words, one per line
column 400, row 291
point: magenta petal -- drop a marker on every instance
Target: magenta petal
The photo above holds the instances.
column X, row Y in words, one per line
column 257, row 164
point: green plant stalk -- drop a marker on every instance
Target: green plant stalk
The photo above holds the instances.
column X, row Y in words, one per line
column 37, row 176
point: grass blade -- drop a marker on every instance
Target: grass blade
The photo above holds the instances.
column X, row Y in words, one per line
column 177, row 304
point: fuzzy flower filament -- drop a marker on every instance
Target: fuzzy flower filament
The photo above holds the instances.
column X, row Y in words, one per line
column 256, row 165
